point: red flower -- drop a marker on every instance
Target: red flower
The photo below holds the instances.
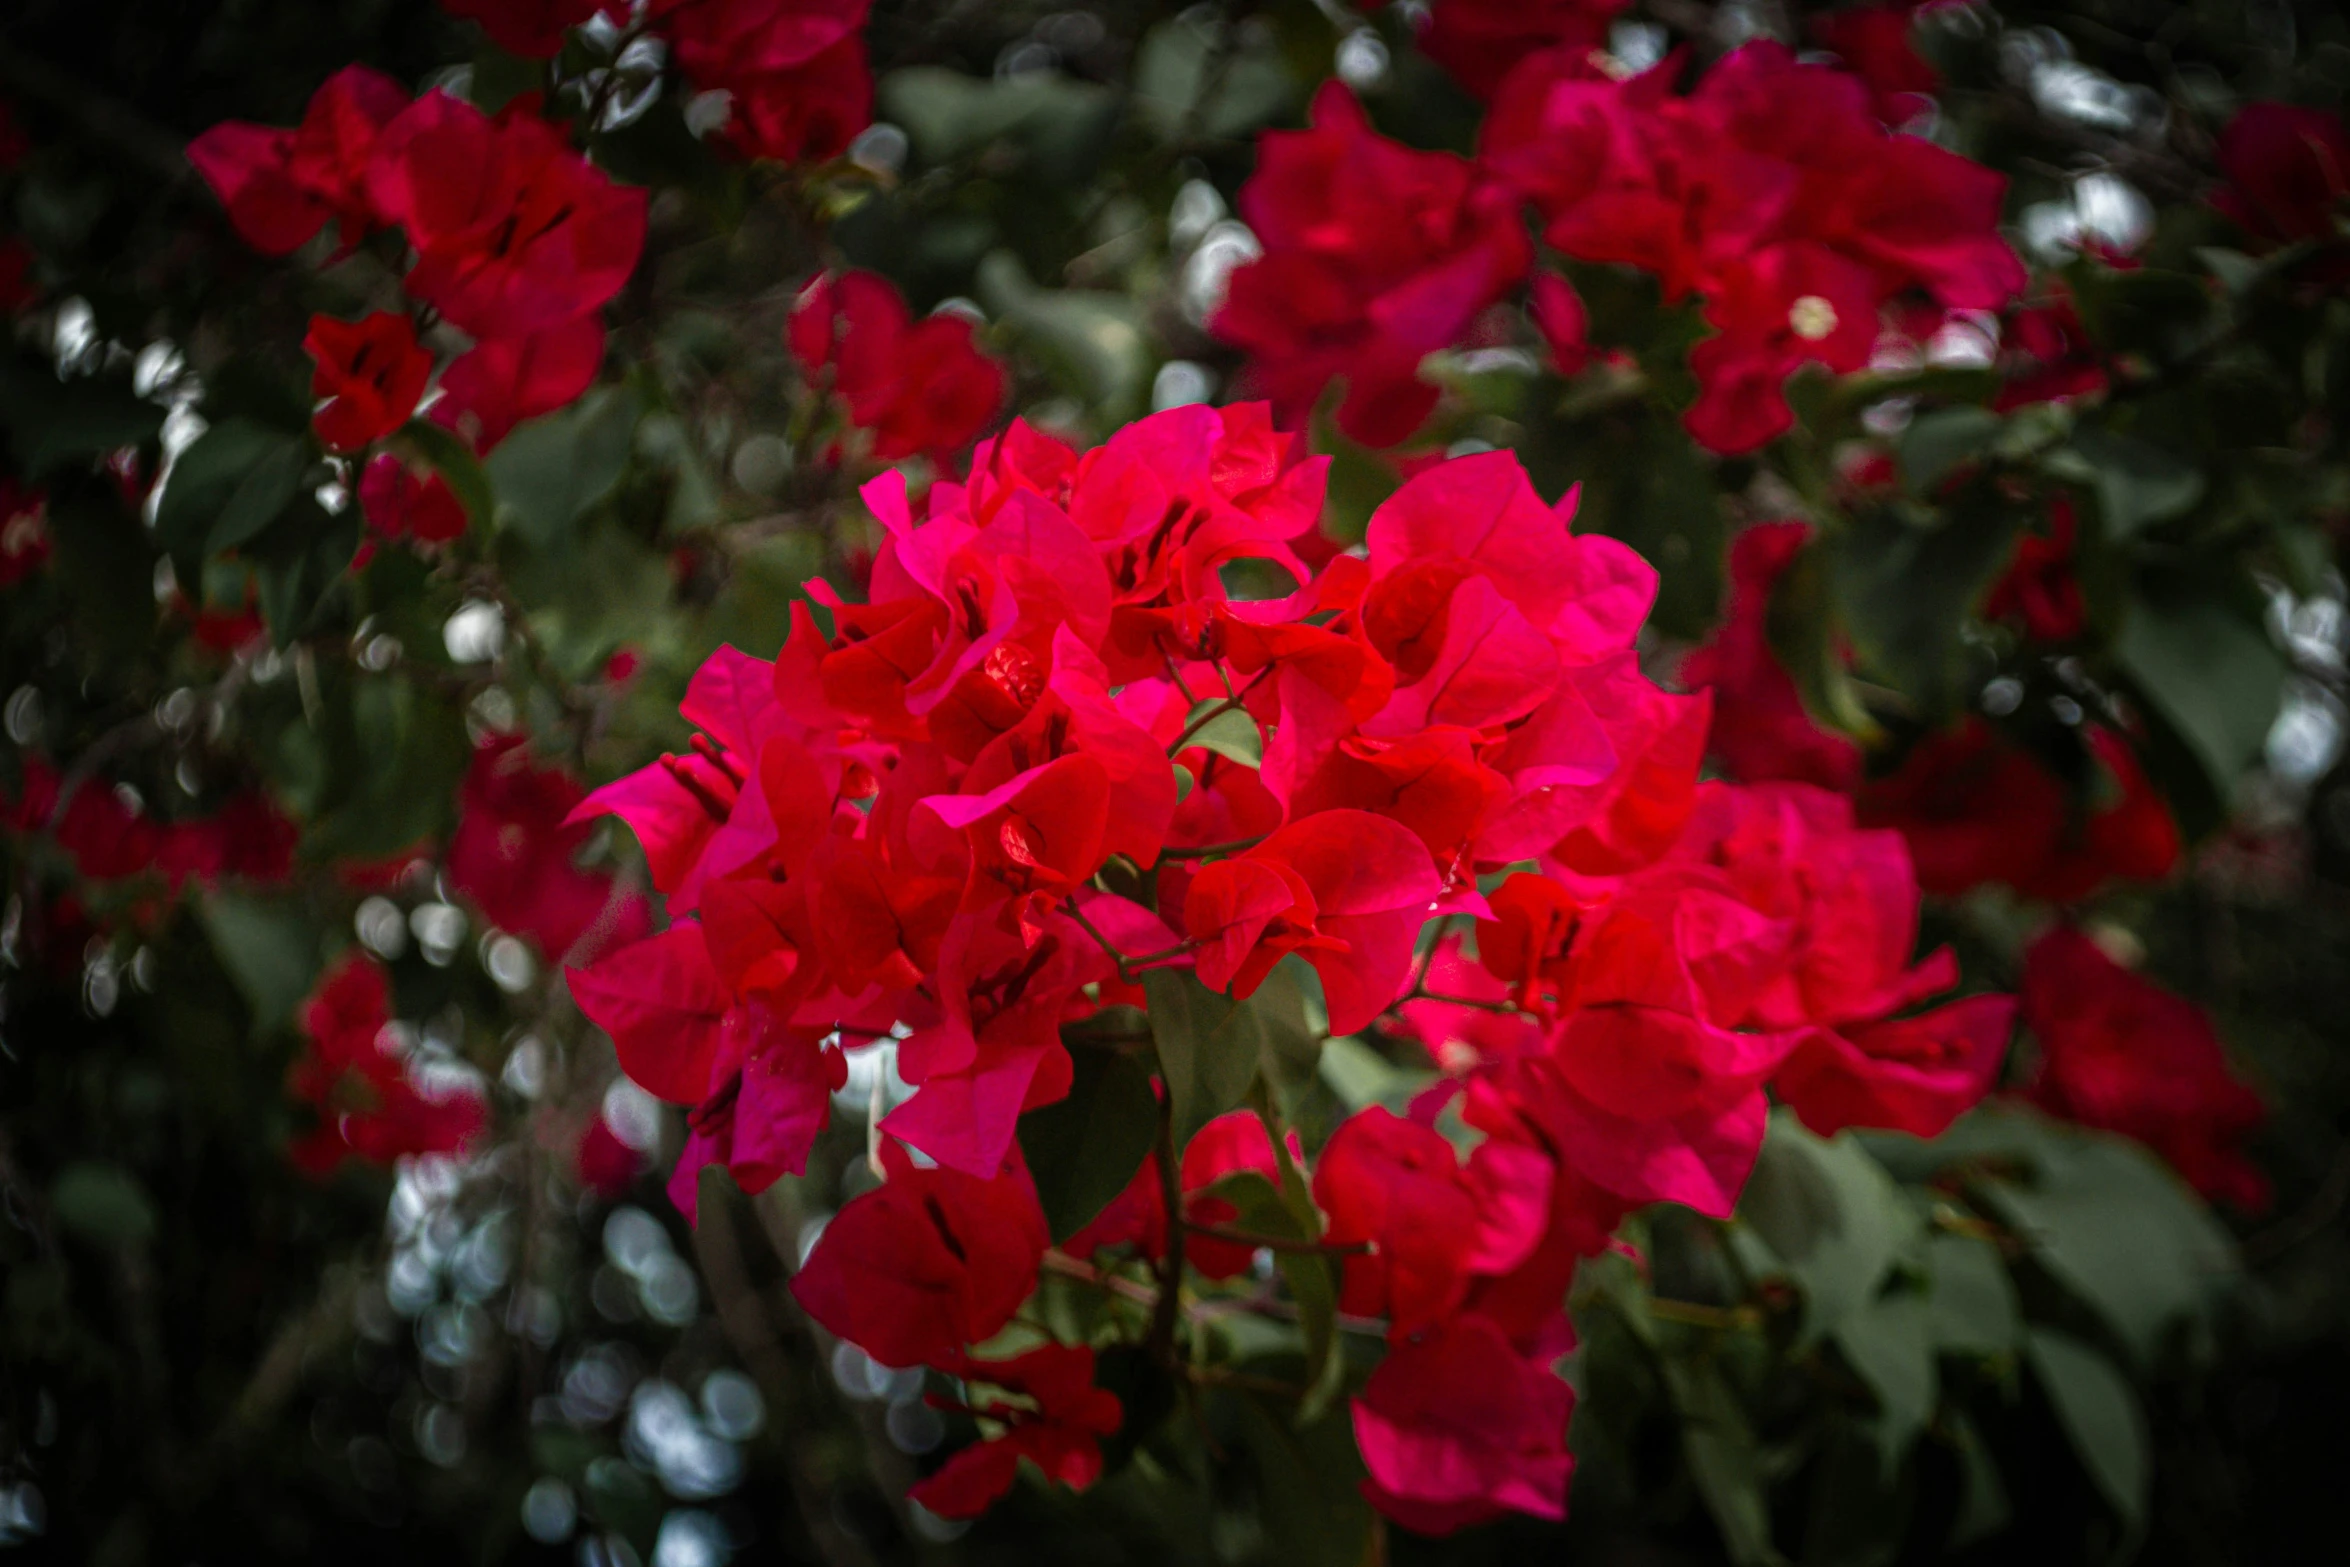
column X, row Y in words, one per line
column 1976, row 807
column 511, row 855
column 533, row 29
column 2288, row 172
column 515, row 233
column 371, row 373
column 925, row 1264
column 1875, row 42
column 917, row 386
column 1789, row 305
column 24, row 532
column 1050, row 1413
column 2049, row 357
column 497, row 384
column 1761, row 728
column 1478, row 41
column 371, row 1105
column 1346, row 890
column 282, row 186
column 2123, row 1055
column 1375, row 255
column 1459, row 1427
column 2040, row 589
column 1431, row 1222
column 795, row 70
column 399, row 505
column 247, row 839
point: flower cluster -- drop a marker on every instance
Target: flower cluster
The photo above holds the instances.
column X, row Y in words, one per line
column 515, row 240
column 110, row 836
column 374, row 1101
column 1772, row 193
column 915, row 387
column 1059, row 748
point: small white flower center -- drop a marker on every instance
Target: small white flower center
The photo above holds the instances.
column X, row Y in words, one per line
column 1811, row 317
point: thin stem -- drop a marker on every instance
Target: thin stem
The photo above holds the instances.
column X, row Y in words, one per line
column 1210, row 850
column 1249, row 1238
column 1167, row 1312
column 1507, row 1008
column 1229, row 705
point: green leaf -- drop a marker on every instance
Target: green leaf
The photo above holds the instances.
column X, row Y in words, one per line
column 1309, row 1486
column 1906, row 592
column 1057, row 125
column 261, row 496
column 1724, row 1459
column 1832, row 1215
column 1094, row 342
column 1972, row 1301
column 202, row 480
column 1361, row 1076
column 1890, row 1343
column 1187, row 81
column 51, row 424
column 2100, row 1416
column 2113, row 1226
column 1312, row 1277
column 551, row 470
column 1209, row 1047
column 1938, row 443
column 2206, row 667
column 443, row 452
column 103, row 1203
column 1645, row 482
column 1805, row 625
column 269, row 947
column 1083, row 1150
column 1230, row 733
column 1983, row 1508
column 2137, row 482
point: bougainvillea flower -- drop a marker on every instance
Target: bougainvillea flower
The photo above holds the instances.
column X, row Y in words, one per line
column 1908, row 1074
column 663, row 1002
column 399, row 504
column 369, row 1105
column 534, row 29
column 1232, row 1143
column 2041, row 588
column 1875, row 42
column 1050, row 1413
column 502, row 381
column 770, row 1097
column 929, row 1262
column 1789, row 305
column 371, row 374
column 1375, row 255
column 515, row 233
column 24, row 531
column 802, row 113
column 1344, row 889
column 1761, row 729
column 511, row 855
column 282, row 186
column 1430, row 1220
column 1478, row 41
column 714, row 38
column 247, row 839
column 1458, row 1427
column 914, row 386
column 2120, row 1053
column 2287, row 171
column 1559, row 316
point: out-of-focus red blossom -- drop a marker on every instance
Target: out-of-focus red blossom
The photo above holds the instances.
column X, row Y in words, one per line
column 2287, row 172
column 18, row 291
column 512, row 854
column 914, row 386
column 514, row 232
column 497, row 384
column 925, row 1264
column 1051, row 1414
column 1561, row 319
column 1477, row 41
column 1876, row 42
column 2124, row 1055
column 371, row 374
column 368, row 1103
column 282, row 186
column 1375, row 256
column 1761, row 728
column 1459, row 1426
column 24, row 531
column 795, row 70
column 2040, row 590
column 247, row 839
column 220, row 629
column 2047, row 357
column 1977, row 807
column 603, row 1163
column 1773, row 190
column 399, row 504
column 533, row 29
